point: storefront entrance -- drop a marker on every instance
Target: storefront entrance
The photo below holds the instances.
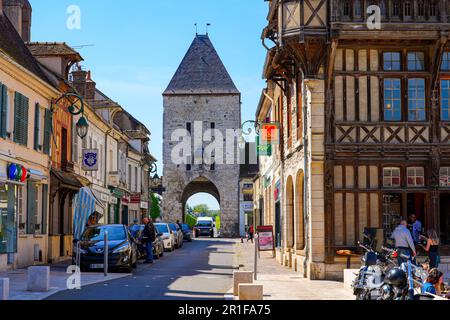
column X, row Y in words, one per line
column 8, row 226
column 416, row 206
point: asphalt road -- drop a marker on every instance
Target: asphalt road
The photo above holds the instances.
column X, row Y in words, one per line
column 201, row 270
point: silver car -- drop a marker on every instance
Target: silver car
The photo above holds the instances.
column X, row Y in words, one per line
column 168, row 236
column 179, row 237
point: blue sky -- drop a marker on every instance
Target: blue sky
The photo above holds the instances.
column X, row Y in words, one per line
column 139, row 45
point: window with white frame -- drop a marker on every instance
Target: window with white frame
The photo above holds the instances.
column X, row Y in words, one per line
column 416, row 177
column 444, row 177
column 391, row 177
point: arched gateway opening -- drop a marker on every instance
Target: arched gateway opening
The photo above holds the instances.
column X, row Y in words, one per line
column 199, row 186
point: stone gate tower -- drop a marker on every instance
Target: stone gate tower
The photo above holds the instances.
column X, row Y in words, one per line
column 201, row 96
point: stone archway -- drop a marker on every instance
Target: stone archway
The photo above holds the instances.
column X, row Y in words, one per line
column 290, row 225
column 299, row 211
column 199, row 185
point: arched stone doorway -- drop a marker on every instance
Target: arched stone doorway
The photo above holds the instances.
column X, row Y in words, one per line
column 200, row 185
column 299, row 210
column 290, row 224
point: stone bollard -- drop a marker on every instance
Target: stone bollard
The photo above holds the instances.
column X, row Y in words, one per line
column 241, row 277
column 349, row 276
column 4, row 289
column 38, row 279
column 252, row 292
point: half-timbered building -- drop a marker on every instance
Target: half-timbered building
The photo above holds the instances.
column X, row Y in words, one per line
column 365, row 115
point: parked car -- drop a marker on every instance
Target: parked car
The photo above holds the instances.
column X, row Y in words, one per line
column 122, row 249
column 158, row 244
column 178, row 235
column 187, row 232
column 168, row 236
column 205, row 227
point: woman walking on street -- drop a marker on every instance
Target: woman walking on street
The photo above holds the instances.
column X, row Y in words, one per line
column 251, row 233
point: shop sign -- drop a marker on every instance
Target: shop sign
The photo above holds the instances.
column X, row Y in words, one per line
column 266, row 238
column 276, row 193
column 126, row 199
column 263, row 150
column 135, row 198
column 117, row 193
column 104, row 197
column 270, row 133
column 247, row 206
column 144, row 205
column 16, row 172
column 113, row 200
column 267, row 182
column 90, row 159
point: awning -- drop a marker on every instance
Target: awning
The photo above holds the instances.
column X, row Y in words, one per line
column 70, row 180
column 84, row 207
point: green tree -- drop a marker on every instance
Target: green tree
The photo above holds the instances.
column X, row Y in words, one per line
column 155, row 209
column 202, row 209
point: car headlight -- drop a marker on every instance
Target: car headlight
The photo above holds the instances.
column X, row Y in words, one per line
column 122, row 249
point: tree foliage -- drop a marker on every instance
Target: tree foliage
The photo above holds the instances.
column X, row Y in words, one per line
column 155, row 209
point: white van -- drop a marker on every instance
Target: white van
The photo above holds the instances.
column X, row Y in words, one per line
column 205, row 226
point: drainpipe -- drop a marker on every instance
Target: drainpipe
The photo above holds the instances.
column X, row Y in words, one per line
column 306, row 178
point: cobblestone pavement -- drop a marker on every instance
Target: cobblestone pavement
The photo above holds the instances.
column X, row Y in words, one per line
column 281, row 283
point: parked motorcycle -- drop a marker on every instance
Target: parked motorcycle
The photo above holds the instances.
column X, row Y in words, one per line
column 371, row 277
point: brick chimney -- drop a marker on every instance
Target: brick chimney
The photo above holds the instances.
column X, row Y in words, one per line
column 19, row 13
column 90, row 87
column 79, row 77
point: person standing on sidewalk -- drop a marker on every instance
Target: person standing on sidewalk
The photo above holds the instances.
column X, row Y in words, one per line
column 148, row 237
column 404, row 242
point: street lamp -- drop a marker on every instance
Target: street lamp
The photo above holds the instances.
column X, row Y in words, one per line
column 82, row 125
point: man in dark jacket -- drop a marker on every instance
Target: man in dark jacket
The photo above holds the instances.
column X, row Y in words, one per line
column 148, row 237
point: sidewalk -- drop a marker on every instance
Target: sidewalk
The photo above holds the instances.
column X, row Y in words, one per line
column 58, row 279
column 281, row 283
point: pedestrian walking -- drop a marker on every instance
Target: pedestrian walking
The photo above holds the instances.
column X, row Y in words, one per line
column 404, row 242
column 251, row 233
column 148, row 237
column 432, row 248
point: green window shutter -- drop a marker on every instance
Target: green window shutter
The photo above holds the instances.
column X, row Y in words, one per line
column 44, row 208
column 21, row 108
column 37, row 117
column 3, row 110
column 31, row 208
column 47, row 131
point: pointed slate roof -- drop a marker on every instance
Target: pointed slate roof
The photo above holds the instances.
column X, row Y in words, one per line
column 201, row 72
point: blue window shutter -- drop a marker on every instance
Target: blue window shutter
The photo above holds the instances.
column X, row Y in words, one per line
column 47, row 131
column 3, row 110
column 37, row 117
column 21, row 119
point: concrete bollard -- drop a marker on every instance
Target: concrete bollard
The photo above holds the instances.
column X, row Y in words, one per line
column 38, row 279
column 349, row 276
column 4, row 289
column 252, row 292
column 241, row 277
